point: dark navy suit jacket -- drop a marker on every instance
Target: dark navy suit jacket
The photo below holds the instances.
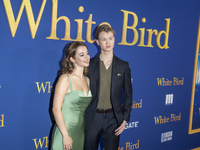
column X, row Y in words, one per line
column 120, row 84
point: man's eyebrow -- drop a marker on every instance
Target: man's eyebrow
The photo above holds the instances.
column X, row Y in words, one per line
column 106, row 37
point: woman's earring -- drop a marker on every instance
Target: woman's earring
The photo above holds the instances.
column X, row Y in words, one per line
column 74, row 64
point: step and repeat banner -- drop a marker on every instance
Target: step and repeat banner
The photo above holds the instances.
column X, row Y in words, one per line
column 159, row 39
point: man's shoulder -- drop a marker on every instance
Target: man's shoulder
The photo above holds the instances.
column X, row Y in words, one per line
column 120, row 60
column 95, row 58
column 92, row 61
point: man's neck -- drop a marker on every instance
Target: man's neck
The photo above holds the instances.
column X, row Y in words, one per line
column 106, row 56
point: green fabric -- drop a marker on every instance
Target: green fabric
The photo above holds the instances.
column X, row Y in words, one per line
column 105, row 86
column 73, row 110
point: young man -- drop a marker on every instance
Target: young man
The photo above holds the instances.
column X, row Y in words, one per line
column 110, row 77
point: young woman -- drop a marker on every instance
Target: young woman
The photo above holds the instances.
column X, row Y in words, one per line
column 72, row 96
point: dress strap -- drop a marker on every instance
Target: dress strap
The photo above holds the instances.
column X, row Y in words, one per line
column 70, row 83
column 87, row 82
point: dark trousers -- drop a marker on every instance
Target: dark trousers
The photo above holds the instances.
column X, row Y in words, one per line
column 104, row 124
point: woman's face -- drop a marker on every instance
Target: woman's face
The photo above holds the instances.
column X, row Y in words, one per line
column 82, row 57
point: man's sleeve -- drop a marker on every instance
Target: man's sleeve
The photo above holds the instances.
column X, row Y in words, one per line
column 127, row 98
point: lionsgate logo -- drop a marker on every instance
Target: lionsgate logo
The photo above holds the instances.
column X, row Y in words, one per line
column 169, row 99
column 132, row 125
column 167, row 136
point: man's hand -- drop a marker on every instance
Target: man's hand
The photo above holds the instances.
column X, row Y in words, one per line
column 119, row 130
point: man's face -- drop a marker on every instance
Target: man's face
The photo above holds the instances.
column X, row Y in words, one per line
column 106, row 41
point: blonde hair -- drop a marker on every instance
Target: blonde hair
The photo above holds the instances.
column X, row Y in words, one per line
column 104, row 27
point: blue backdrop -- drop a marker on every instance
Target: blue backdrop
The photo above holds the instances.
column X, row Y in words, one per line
column 158, row 38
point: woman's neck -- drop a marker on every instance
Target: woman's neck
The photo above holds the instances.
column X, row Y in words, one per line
column 78, row 72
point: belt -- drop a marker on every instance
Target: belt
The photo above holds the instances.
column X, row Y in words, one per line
column 104, row 111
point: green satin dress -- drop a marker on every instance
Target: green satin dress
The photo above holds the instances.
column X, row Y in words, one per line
column 73, row 110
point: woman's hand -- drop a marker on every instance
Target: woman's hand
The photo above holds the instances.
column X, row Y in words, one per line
column 67, row 142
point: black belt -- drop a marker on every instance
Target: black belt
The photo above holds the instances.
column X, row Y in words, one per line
column 104, row 111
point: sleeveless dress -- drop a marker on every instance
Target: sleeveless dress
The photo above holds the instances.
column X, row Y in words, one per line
column 73, row 110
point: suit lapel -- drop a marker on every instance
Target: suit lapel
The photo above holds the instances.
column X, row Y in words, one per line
column 115, row 68
column 96, row 71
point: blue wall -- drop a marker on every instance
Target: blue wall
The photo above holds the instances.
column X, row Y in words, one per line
column 30, row 54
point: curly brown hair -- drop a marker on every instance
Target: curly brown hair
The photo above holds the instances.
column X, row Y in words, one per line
column 70, row 51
